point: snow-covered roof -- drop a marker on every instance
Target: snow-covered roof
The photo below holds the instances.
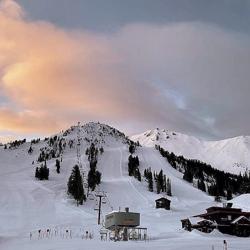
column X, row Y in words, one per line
column 239, row 218
column 162, row 198
column 196, row 220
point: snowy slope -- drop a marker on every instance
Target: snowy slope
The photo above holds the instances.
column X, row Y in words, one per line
column 27, row 204
column 230, row 155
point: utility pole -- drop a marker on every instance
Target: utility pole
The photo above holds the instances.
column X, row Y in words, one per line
column 99, row 209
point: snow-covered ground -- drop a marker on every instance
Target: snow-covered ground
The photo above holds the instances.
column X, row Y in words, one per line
column 230, row 155
column 27, row 205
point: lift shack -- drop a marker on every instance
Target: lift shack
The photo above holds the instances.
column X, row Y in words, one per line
column 125, row 226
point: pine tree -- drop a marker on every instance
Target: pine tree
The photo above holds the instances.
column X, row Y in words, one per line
column 87, row 151
column 158, row 187
column 131, row 148
column 30, row 150
column 37, row 173
column 160, row 180
column 164, row 183
column 75, row 186
column 130, row 165
column 42, row 173
column 91, row 180
column 188, row 176
column 201, row 185
column 101, row 150
column 94, row 179
column 98, row 176
column 150, row 182
column 169, row 190
column 133, row 164
column 57, row 166
column 94, row 176
column 138, row 174
column 229, row 195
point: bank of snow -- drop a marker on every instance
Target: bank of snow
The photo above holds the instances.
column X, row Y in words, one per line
column 242, row 201
column 27, row 205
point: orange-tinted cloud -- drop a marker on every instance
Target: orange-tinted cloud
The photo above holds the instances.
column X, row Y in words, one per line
column 181, row 76
column 65, row 76
column 26, row 121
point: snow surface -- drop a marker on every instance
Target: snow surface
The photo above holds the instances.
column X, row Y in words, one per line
column 230, row 155
column 27, row 205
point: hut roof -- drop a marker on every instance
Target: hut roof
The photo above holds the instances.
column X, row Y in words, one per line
column 162, row 199
column 240, row 218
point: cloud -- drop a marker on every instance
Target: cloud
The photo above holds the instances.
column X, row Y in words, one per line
column 191, row 77
column 66, row 75
column 203, row 68
column 27, row 121
column 11, row 9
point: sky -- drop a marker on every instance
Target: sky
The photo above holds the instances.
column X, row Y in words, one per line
column 134, row 64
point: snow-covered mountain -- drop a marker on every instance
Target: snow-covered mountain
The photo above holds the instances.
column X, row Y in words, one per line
column 230, row 155
column 97, row 133
column 27, row 204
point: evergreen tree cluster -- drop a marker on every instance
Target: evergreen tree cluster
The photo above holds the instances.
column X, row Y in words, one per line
column 42, row 172
column 149, row 177
column 75, row 186
column 132, row 146
column 162, row 183
column 35, row 141
column 52, row 140
column 92, row 153
column 133, row 167
column 94, row 176
column 46, row 154
column 213, row 181
column 55, row 148
column 15, row 144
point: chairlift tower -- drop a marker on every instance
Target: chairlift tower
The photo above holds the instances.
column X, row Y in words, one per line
column 100, row 195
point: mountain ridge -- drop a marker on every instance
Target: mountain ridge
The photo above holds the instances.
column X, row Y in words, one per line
column 230, row 155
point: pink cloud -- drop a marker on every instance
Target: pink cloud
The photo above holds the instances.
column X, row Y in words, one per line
column 54, row 77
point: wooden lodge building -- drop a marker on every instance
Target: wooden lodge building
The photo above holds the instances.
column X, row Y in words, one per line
column 163, row 203
column 227, row 220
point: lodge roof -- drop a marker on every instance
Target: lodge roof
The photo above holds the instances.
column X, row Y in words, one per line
column 223, row 212
column 162, row 199
column 239, row 218
column 214, row 208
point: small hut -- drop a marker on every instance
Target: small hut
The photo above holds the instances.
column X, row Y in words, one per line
column 163, row 203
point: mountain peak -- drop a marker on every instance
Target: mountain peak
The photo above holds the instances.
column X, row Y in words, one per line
column 97, row 133
column 230, row 155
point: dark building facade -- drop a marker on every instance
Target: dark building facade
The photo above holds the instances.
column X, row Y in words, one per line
column 226, row 219
column 163, row 203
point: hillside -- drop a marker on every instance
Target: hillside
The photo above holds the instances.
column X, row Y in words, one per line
column 230, row 155
column 27, row 204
